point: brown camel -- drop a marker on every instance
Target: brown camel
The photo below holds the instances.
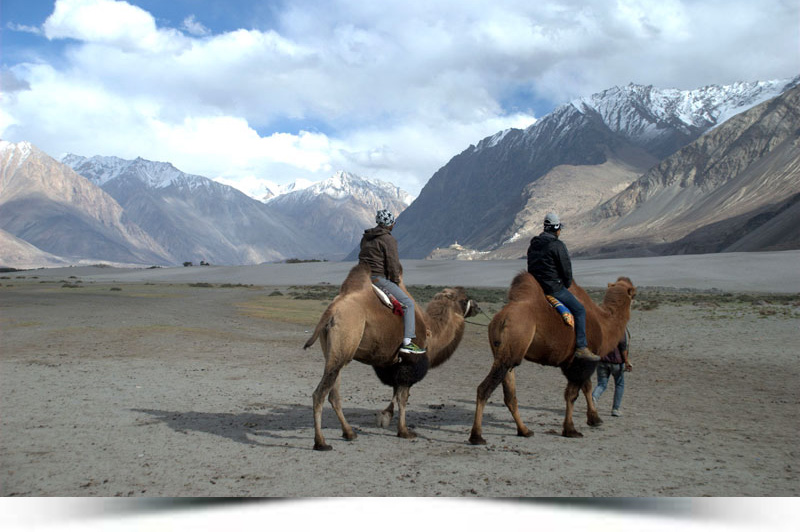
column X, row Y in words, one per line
column 527, row 327
column 356, row 325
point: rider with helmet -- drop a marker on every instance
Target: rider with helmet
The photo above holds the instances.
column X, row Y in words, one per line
column 379, row 252
column 550, row 265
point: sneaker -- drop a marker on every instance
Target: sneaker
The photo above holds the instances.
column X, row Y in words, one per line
column 412, row 349
column 616, row 413
column 583, row 353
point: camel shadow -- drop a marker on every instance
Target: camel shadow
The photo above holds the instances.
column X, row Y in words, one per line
column 245, row 428
column 496, row 417
column 277, row 425
column 281, row 422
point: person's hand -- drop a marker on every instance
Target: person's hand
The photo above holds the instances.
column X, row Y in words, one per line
column 628, row 366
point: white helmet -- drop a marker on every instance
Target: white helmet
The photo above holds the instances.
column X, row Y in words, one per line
column 384, row 218
column 551, row 222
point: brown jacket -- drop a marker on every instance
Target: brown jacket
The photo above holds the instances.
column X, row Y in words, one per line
column 379, row 251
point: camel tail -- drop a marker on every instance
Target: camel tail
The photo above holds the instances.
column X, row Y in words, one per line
column 326, row 321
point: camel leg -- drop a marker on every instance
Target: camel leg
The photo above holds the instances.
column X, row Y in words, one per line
column 384, row 417
column 323, row 389
column 593, row 417
column 510, row 398
column 485, row 389
column 336, row 402
column 570, row 394
column 402, row 400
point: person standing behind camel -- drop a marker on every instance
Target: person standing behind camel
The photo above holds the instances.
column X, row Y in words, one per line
column 615, row 363
column 379, row 252
column 550, row 265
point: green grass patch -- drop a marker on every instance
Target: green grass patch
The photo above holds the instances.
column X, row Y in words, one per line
column 283, row 308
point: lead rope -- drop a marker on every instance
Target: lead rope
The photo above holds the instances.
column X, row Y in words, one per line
column 475, row 323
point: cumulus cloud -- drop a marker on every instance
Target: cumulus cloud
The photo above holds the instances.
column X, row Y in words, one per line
column 108, row 22
column 390, row 90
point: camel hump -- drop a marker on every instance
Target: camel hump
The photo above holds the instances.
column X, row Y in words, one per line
column 358, row 279
column 524, row 287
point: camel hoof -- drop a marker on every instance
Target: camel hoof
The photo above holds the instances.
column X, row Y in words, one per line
column 349, row 436
column 571, row 434
column 322, row 447
column 407, row 435
column 595, row 421
column 527, row 433
column 476, row 439
column 383, row 419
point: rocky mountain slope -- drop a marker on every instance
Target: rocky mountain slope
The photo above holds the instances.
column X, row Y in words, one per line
column 736, row 188
column 49, row 206
column 572, row 160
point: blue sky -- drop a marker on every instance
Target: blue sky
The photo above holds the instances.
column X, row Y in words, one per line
column 257, row 93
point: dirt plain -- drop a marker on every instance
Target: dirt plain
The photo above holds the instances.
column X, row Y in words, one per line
column 152, row 388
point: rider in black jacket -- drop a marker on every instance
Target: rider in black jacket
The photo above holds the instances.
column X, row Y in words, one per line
column 549, row 263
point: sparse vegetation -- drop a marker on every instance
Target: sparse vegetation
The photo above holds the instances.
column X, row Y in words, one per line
column 201, row 285
column 318, row 292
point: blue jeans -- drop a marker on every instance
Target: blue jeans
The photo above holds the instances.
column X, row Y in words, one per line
column 576, row 307
column 604, row 370
column 409, row 321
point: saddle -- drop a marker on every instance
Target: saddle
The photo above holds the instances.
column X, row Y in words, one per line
column 566, row 315
column 389, row 300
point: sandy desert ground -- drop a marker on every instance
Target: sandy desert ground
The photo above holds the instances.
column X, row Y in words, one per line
column 193, row 382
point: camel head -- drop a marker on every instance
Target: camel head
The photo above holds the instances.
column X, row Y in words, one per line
column 621, row 289
column 457, row 296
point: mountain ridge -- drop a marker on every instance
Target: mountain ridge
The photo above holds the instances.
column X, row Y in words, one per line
column 607, row 128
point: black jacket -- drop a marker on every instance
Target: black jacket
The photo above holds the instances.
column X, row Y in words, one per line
column 549, row 263
column 379, row 251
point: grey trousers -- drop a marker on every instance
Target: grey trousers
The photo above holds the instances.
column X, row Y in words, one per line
column 409, row 321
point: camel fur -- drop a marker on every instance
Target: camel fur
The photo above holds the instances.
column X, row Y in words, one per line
column 357, row 326
column 527, row 328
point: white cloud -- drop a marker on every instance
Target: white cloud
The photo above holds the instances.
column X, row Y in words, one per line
column 193, row 26
column 383, row 89
column 109, row 22
column 23, row 28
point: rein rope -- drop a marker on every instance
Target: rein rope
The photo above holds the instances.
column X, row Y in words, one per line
column 481, row 324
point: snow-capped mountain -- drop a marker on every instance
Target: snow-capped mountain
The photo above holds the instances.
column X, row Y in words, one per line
column 570, row 161
column 47, row 207
column 736, row 188
column 340, row 208
column 342, row 185
column 140, row 172
column 193, row 217
column 644, row 114
column 273, row 191
column 196, row 218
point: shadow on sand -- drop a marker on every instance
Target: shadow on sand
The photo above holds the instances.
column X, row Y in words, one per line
column 278, row 425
